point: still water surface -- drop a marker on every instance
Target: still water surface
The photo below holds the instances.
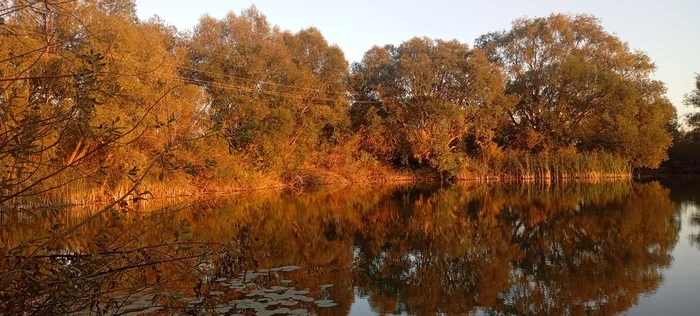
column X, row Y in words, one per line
column 545, row 249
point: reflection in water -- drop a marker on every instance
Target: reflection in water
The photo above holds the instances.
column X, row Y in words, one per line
column 695, row 238
column 503, row 249
column 687, row 194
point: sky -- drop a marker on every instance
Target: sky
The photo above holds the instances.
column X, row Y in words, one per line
column 668, row 30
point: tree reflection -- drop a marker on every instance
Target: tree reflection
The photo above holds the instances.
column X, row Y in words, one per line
column 684, row 191
column 539, row 250
column 695, row 221
column 523, row 249
column 598, row 255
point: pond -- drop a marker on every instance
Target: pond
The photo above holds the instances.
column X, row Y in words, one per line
column 532, row 248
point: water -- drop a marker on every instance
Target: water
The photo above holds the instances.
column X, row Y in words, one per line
column 576, row 248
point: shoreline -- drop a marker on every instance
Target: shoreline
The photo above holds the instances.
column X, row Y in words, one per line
column 80, row 199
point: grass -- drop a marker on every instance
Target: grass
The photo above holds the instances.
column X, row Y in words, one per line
column 551, row 166
column 494, row 165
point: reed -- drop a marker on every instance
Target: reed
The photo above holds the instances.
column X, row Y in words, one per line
column 558, row 166
column 566, row 164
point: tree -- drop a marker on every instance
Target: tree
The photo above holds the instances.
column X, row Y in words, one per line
column 693, row 119
column 88, row 94
column 276, row 95
column 578, row 85
column 423, row 101
column 684, row 155
column 81, row 91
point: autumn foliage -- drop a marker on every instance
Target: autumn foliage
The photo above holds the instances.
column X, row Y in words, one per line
column 95, row 100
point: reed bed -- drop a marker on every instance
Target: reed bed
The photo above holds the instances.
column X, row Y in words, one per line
column 506, row 165
column 548, row 166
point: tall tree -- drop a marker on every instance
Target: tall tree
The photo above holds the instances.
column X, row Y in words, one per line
column 423, row 100
column 693, row 119
column 85, row 85
column 276, row 95
column 580, row 86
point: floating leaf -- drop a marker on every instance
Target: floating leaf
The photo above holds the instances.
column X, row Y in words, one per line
column 277, row 288
column 297, row 292
column 223, row 309
column 302, row 298
column 288, row 303
column 256, row 293
column 326, row 304
column 290, row 268
column 273, row 296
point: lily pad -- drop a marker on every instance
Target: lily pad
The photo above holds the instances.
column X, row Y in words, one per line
column 290, row 268
column 325, row 303
column 256, row 293
column 302, row 298
column 273, row 296
column 236, row 287
column 249, row 275
column 250, row 304
column 297, row 292
column 223, row 309
column 288, row 303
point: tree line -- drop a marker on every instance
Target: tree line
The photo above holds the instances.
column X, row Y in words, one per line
column 684, row 154
column 92, row 98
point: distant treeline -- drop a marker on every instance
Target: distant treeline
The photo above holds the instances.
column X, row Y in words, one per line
column 94, row 99
column 684, row 154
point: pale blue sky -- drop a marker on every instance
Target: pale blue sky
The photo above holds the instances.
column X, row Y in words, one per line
column 668, row 31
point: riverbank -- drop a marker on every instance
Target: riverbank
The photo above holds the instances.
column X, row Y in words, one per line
column 174, row 187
